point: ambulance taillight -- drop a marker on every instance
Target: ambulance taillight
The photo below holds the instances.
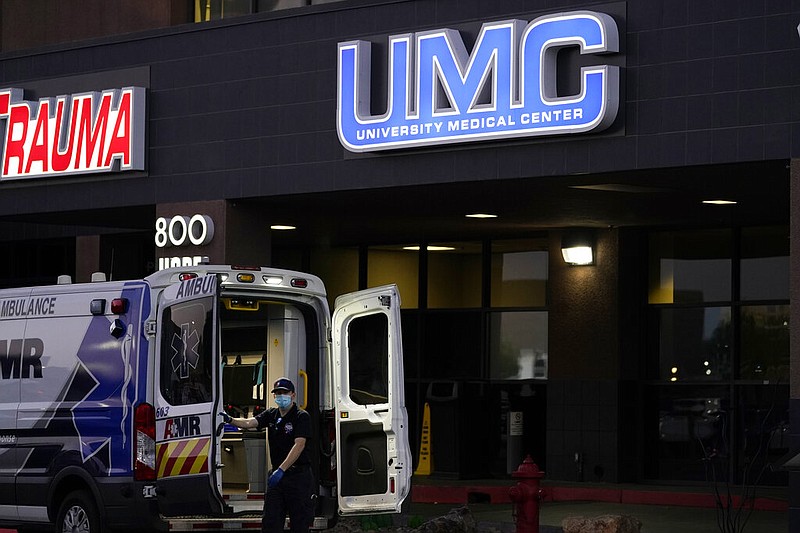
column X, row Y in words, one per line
column 144, row 420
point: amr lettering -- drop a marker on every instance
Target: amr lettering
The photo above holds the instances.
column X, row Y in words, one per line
column 182, row 426
column 437, row 92
column 21, row 358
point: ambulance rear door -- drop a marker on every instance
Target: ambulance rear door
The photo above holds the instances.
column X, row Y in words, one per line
column 372, row 452
column 187, row 384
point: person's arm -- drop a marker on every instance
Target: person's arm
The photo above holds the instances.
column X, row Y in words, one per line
column 294, row 453
column 241, row 423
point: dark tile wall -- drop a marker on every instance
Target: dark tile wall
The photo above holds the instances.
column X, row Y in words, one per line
column 582, row 434
column 248, row 105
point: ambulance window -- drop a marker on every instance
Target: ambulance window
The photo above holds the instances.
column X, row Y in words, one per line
column 186, row 344
column 369, row 359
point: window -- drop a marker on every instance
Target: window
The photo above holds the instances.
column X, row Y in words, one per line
column 368, row 338
column 690, row 267
column 765, row 263
column 695, row 344
column 338, row 269
column 518, row 345
column 399, row 265
column 452, row 344
column 765, row 343
column 519, row 273
column 720, row 346
column 454, row 275
column 206, row 10
column 186, row 352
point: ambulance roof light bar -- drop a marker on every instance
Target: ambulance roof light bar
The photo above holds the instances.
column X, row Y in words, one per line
column 64, row 279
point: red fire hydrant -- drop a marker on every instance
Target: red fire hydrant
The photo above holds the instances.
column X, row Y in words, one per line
column 526, row 495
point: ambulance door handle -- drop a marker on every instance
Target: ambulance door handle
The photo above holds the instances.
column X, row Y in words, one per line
column 220, row 428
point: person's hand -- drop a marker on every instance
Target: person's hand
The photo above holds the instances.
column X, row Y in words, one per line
column 226, row 417
column 276, row 476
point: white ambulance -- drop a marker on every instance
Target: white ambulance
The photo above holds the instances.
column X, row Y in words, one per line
column 110, row 394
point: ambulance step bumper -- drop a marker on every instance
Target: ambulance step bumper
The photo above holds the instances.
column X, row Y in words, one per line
column 228, row 524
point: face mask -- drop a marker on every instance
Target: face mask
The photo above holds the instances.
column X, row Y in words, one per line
column 283, row 400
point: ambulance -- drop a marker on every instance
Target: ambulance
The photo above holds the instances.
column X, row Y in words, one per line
column 111, row 394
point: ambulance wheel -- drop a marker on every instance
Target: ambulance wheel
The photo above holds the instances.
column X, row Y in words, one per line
column 78, row 514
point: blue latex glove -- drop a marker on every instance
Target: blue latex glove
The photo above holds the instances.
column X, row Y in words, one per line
column 226, row 417
column 276, row 476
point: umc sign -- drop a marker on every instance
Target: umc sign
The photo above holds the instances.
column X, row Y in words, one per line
column 438, row 93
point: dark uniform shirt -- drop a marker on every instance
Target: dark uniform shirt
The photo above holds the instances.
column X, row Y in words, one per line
column 282, row 430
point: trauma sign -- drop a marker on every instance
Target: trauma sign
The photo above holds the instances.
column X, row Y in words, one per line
column 506, row 87
column 72, row 134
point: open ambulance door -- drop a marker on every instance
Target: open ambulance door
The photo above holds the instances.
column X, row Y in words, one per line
column 187, row 397
column 372, row 452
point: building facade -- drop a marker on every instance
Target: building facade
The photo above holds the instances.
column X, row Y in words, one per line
column 454, row 148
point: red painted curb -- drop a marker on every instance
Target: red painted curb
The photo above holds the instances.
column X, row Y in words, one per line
column 499, row 494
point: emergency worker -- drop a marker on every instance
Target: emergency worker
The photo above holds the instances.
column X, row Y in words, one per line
column 290, row 483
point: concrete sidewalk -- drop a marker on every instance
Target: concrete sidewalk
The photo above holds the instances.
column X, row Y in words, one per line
column 660, row 509
column 654, row 518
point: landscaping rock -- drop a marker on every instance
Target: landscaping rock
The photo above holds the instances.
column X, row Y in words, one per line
column 601, row 524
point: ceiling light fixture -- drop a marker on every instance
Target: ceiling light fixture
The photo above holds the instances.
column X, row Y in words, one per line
column 282, row 227
column 481, row 215
column 430, row 248
column 720, row 202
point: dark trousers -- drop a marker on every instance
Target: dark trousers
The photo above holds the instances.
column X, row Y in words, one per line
column 292, row 496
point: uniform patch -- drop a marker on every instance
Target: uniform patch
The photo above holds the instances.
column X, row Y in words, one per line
column 288, row 428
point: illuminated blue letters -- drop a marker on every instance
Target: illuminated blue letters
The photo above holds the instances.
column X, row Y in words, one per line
column 439, row 93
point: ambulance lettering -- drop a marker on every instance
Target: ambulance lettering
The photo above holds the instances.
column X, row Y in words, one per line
column 18, row 357
column 196, row 286
column 24, row 307
column 182, row 426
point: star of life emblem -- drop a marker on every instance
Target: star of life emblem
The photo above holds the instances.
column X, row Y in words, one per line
column 184, row 348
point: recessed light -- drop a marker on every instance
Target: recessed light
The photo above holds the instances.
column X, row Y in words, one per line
column 481, row 215
column 282, row 227
column 430, row 248
column 719, row 202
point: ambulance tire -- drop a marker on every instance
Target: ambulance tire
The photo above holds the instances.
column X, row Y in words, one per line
column 78, row 510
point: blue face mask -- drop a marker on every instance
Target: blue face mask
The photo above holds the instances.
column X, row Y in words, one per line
column 283, row 400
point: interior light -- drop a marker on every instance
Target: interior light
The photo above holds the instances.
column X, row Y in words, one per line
column 577, row 247
column 273, row 280
column 282, row 227
column 673, row 378
column 481, row 215
column 720, row 202
column 674, row 369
